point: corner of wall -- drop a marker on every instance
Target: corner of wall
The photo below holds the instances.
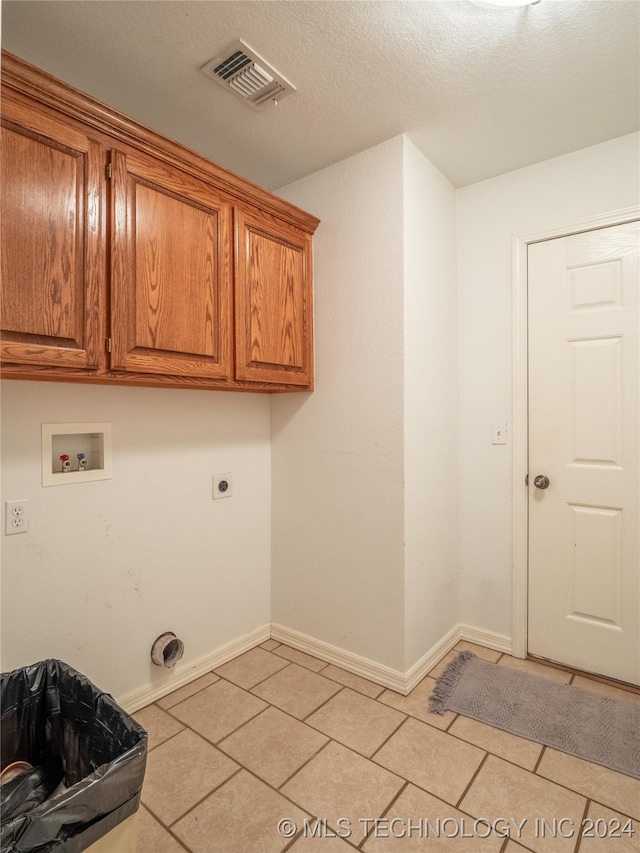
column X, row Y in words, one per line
column 430, row 405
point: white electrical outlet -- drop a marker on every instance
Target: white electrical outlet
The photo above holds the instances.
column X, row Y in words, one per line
column 222, row 486
column 16, row 517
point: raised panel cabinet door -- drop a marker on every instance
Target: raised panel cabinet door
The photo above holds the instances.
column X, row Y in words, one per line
column 53, row 264
column 170, row 271
column 273, row 301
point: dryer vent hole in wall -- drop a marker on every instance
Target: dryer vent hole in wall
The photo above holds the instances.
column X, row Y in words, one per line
column 167, row 650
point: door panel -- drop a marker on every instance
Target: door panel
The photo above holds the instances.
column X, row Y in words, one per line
column 52, row 255
column 584, row 563
column 595, row 537
column 274, row 322
column 171, row 272
column 595, row 373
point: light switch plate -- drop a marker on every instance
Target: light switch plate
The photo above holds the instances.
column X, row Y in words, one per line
column 499, row 433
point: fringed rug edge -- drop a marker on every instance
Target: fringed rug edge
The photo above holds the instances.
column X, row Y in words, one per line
column 447, row 683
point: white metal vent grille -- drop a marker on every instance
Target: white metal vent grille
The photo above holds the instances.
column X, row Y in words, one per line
column 245, row 74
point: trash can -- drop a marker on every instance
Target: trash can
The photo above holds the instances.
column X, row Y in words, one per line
column 87, row 756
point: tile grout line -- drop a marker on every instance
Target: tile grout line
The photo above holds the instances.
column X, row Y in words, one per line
column 180, row 701
column 324, row 663
column 540, row 757
column 260, row 681
column 623, row 686
column 164, row 826
column 170, row 738
column 218, row 743
column 228, row 734
column 305, row 763
column 241, row 768
column 352, row 748
column 447, row 730
column 468, row 743
column 355, row 690
column 270, row 640
column 348, row 686
column 282, row 793
column 395, row 732
column 327, row 664
column 169, row 826
column 481, row 748
column 303, row 721
column 277, row 791
column 321, row 705
column 587, row 806
column 599, row 801
column 587, row 797
column 387, row 739
column 384, row 812
column 534, row 771
column 522, row 844
column 503, row 848
column 472, row 780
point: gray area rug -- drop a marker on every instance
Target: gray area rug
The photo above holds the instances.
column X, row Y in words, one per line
column 587, row 725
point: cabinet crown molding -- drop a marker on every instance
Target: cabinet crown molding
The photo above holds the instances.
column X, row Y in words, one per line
column 143, row 263
column 20, row 76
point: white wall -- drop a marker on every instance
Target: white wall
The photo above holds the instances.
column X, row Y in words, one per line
column 585, row 183
column 365, row 484
column 337, row 454
column 430, row 406
column 108, row 566
column 359, row 466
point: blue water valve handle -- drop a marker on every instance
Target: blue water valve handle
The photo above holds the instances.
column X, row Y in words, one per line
column 82, row 462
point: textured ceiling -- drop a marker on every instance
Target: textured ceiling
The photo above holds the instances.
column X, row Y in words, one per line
column 480, row 92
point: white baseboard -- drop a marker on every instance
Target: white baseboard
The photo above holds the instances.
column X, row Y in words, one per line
column 392, row 679
column 181, row 675
column 429, row 659
column 489, row 639
column 377, row 672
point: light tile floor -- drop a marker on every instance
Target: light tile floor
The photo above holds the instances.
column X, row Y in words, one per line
column 279, row 751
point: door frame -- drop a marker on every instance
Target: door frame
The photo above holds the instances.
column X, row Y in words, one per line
column 520, row 403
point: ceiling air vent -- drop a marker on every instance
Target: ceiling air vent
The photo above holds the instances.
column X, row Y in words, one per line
column 245, row 74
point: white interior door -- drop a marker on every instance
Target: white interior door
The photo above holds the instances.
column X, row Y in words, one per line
column 584, row 379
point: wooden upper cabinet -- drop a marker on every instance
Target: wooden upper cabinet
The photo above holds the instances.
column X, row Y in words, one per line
column 170, row 271
column 52, row 240
column 273, row 301
column 128, row 258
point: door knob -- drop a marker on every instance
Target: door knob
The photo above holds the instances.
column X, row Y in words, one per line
column 541, row 482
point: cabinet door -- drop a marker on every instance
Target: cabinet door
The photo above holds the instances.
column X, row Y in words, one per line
column 273, row 301
column 170, row 271
column 53, row 261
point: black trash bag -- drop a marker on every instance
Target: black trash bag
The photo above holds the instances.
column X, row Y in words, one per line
column 52, row 713
column 30, row 788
